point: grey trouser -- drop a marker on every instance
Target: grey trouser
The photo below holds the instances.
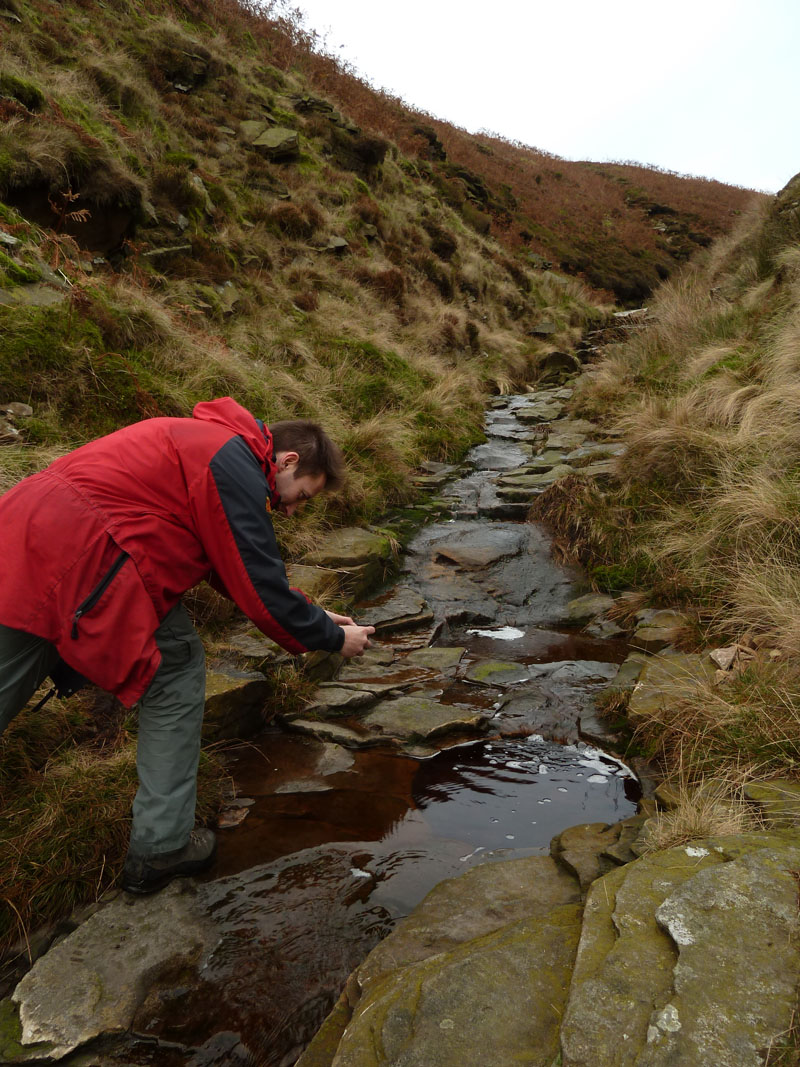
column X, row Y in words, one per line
column 170, row 721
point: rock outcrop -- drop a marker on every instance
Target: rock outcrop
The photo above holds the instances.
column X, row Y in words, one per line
column 688, row 956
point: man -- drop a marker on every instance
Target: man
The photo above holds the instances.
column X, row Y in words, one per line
column 97, row 551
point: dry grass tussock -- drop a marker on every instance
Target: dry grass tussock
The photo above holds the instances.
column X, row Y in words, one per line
column 713, row 808
column 748, row 728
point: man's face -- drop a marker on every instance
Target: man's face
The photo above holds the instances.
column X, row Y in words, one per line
column 294, row 491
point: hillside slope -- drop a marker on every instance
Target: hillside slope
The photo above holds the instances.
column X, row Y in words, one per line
column 705, row 511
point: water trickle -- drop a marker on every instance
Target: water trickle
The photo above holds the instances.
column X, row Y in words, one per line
column 340, row 844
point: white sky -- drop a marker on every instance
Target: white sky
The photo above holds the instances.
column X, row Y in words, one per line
column 706, row 87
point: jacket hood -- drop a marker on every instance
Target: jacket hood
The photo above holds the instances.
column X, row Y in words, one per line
column 228, row 413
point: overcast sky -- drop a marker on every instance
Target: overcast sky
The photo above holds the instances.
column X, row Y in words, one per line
column 705, row 87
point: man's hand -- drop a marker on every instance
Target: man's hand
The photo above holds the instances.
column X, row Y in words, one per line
column 340, row 620
column 356, row 639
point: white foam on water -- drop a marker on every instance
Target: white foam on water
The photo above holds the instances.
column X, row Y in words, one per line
column 504, row 633
column 597, row 779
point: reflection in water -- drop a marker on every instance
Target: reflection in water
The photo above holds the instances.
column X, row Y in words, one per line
column 387, row 830
column 489, row 795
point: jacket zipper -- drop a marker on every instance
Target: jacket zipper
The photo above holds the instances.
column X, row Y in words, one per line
column 97, row 592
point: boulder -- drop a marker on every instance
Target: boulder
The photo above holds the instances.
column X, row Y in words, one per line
column 236, row 703
column 93, row 981
column 778, row 801
column 686, row 957
column 657, row 629
column 585, row 608
column 315, row 582
column 668, row 677
column 276, row 142
column 360, row 557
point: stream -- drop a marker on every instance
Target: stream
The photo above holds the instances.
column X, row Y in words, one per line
column 349, row 838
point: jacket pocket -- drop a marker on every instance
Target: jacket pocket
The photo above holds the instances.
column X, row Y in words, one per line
column 93, row 597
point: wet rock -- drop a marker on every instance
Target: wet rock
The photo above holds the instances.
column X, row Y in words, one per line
column 657, row 629
column 581, row 850
column 495, row 672
column 442, row 659
column 337, row 700
column 235, row 703
column 461, row 952
column 497, row 545
column 332, row 732
column 667, row 677
column 404, row 610
column 543, row 462
column 687, row 957
column 333, row 760
column 556, row 702
column 585, row 608
column 591, row 727
column 514, row 481
column 93, row 981
column 418, row 717
column 604, row 628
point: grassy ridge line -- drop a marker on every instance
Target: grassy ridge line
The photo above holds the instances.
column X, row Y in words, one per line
column 705, row 513
column 393, row 345
column 621, row 226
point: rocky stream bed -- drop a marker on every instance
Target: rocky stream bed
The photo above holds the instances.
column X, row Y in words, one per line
column 439, row 861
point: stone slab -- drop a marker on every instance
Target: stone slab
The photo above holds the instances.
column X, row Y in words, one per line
column 93, row 981
column 415, row 718
column 668, row 677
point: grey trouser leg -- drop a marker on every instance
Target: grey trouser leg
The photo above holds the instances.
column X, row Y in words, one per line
column 25, row 662
column 170, row 721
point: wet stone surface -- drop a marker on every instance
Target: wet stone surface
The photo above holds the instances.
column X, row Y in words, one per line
column 455, row 741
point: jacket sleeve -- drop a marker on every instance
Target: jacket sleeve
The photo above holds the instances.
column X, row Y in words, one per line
column 230, row 507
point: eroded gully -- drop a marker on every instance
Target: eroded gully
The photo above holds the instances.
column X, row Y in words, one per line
column 343, row 839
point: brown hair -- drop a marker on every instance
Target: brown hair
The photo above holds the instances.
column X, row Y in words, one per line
column 318, row 454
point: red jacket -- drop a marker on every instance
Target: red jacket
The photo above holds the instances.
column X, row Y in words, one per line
column 96, row 549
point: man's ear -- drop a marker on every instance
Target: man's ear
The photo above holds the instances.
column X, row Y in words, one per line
column 287, row 460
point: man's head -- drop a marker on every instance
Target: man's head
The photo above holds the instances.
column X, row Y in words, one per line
column 307, row 462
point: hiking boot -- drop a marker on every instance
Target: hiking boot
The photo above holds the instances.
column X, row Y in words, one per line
column 146, row 874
